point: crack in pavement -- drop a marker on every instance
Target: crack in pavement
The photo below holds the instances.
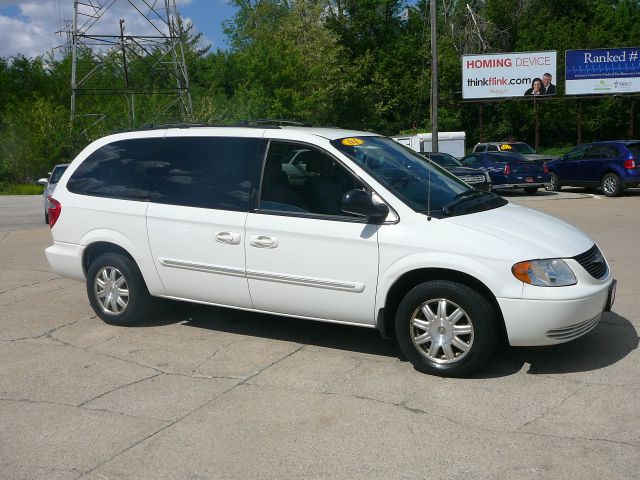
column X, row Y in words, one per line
column 549, row 410
column 71, row 405
column 47, row 334
column 211, row 400
column 118, row 388
column 418, row 411
column 15, row 302
column 6, row 234
column 30, row 284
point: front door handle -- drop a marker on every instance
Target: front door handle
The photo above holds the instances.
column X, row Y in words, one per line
column 263, row 241
column 230, row 238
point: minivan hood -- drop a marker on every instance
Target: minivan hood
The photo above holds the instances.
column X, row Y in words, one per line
column 533, row 233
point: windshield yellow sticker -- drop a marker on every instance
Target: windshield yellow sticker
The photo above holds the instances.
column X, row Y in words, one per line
column 505, row 147
column 352, row 142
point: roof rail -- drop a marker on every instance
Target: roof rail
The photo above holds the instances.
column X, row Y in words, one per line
column 161, row 126
column 275, row 122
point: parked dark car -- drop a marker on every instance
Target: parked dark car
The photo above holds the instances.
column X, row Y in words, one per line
column 49, row 185
column 613, row 166
column 475, row 177
column 510, row 170
column 517, row 147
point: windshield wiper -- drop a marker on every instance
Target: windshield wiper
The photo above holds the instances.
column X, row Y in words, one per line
column 462, row 198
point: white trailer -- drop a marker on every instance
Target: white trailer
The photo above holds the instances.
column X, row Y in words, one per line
column 453, row 143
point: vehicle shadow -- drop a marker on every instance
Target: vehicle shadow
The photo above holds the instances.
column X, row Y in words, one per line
column 611, row 341
column 276, row 327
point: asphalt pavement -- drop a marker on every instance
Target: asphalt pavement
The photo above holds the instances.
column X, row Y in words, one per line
column 200, row 392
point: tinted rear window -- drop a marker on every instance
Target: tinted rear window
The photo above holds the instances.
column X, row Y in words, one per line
column 119, row 170
column 206, row 172
column 634, row 148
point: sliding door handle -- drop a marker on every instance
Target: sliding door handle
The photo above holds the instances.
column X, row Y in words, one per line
column 263, row 241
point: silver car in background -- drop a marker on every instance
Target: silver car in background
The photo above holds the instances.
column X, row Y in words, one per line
column 50, row 185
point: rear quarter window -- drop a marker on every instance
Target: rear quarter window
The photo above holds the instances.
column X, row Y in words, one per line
column 120, row 169
column 206, row 172
column 634, row 148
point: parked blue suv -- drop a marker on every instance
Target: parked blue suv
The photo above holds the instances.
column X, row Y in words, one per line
column 613, row 166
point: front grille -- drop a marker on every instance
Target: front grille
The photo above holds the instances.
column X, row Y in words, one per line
column 593, row 262
column 574, row 331
column 473, row 178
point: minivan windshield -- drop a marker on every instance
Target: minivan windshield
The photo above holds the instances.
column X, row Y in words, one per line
column 422, row 185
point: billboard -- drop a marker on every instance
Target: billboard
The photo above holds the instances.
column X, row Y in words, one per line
column 500, row 75
column 602, row 71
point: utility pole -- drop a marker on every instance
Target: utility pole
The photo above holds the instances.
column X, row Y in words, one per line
column 74, row 60
column 434, row 80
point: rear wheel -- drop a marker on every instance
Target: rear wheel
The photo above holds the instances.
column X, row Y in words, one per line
column 554, row 183
column 46, row 217
column 530, row 190
column 611, row 185
column 116, row 289
column 446, row 328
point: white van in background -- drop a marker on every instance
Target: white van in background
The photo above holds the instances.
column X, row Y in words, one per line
column 453, row 143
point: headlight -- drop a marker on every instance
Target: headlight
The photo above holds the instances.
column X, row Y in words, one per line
column 544, row 273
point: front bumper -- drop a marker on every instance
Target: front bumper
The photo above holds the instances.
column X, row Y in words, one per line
column 549, row 322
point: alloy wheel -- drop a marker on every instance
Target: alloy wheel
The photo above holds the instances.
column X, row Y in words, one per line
column 609, row 185
column 441, row 331
column 111, row 290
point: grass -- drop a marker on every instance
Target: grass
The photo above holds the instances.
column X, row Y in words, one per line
column 555, row 151
column 21, row 189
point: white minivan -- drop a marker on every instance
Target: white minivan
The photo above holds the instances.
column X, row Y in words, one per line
column 366, row 234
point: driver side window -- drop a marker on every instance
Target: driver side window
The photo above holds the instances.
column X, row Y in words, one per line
column 302, row 179
column 577, row 153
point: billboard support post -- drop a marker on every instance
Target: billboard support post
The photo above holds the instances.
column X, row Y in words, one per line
column 631, row 115
column 481, row 121
column 536, row 109
column 579, row 129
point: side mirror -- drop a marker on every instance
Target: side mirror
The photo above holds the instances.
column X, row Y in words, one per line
column 358, row 202
column 42, row 181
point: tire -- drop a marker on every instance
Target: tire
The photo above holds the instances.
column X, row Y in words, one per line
column 46, row 217
column 454, row 355
column 530, row 190
column 554, row 183
column 611, row 185
column 112, row 271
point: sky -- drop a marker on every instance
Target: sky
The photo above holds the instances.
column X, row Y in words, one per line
column 29, row 27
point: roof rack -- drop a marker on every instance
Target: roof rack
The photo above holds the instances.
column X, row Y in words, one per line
column 162, row 126
column 258, row 123
column 274, row 122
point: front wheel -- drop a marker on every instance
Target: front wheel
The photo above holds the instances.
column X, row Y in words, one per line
column 446, row 328
column 530, row 190
column 611, row 185
column 116, row 289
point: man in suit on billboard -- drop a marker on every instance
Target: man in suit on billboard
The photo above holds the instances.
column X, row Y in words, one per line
column 548, row 88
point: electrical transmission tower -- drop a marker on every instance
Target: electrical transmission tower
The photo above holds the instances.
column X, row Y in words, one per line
column 128, row 66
